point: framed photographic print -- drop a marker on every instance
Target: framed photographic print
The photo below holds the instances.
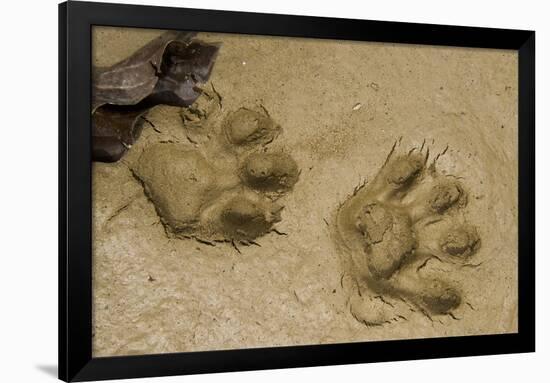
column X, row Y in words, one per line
column 247, row 191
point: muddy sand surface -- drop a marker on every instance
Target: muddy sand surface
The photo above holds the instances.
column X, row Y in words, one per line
column 341, row 107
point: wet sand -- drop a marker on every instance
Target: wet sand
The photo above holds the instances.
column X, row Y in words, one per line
column 341, row 106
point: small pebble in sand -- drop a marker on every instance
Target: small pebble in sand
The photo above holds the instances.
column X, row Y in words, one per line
column 357, row 106
column 244, row 62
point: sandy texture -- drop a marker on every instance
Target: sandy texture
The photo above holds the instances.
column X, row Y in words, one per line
column 341, row 106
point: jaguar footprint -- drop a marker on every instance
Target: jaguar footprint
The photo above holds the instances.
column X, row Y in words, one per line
column 225, row 185
column 388, row 230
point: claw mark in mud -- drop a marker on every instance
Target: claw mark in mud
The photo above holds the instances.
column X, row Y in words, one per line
column 227, row 186
column 388, row 230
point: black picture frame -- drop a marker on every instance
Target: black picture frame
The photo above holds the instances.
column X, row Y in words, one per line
column 75, row 256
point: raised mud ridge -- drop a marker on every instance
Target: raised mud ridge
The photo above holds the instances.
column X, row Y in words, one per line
column 225, row 185
column 388, row 229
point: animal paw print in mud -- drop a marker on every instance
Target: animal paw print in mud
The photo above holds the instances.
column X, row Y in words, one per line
column 390, row 228
column 226, row 183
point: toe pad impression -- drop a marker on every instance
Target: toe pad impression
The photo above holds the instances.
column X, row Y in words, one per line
column 269, row 171
column 246, row 127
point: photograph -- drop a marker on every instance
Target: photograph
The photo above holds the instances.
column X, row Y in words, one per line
column 294, row 191
column 253, row 191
